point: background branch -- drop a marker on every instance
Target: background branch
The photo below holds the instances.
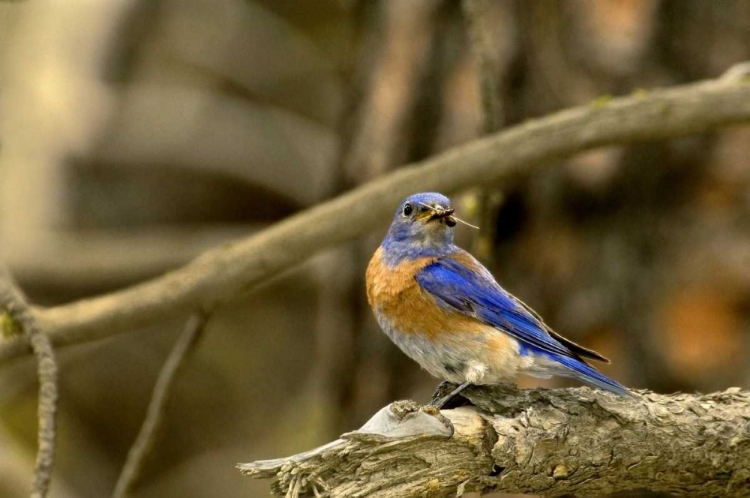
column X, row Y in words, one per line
column 542, row 442
column 13, row 302
column 247, row 263
column 480, row 26
column 143, row 444
column 477, row 14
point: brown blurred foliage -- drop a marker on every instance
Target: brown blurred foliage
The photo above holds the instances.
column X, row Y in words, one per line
column 137, row 134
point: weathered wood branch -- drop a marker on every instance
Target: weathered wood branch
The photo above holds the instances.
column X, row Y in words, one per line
column 15, row 313
column 248, row 263
column 545, row 442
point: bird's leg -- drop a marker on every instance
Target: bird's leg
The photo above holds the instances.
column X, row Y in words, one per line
column 448, row 397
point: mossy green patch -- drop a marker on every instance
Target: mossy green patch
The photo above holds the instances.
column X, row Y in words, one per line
column 9, row 327
column 601, row 101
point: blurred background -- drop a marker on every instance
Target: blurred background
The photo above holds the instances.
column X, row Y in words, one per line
column 136, row 134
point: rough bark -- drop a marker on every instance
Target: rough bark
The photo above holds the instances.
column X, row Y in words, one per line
column 16, row 316
column 546, row 442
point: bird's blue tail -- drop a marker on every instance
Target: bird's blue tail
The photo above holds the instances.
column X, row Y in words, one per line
column 581, row 371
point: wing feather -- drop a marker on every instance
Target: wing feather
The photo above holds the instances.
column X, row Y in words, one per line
column 476, row 294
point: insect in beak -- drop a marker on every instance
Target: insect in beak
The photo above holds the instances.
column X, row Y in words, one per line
column 446, row 215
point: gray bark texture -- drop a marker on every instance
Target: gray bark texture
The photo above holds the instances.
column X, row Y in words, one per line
column 555, row 442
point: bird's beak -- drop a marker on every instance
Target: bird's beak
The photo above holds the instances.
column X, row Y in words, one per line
column 441, row 215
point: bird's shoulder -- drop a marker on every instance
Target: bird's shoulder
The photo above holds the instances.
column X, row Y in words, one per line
column 465, row 262
column 458, row 270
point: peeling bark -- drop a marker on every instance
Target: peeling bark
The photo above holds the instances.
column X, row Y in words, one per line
column 545, row 442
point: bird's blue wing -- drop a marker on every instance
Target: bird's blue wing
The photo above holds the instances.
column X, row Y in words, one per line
column 457, row 287
column 473, row 292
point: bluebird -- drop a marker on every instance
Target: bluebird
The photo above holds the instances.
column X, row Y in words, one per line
column 445, row 310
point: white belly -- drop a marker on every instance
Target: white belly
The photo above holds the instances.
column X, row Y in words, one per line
column 491, row 357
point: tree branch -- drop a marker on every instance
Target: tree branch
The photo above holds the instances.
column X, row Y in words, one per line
column 247, row 263
column 481, row 28
column 543, row 442
column 17, row 314
column 143, row 444
column 476, row 13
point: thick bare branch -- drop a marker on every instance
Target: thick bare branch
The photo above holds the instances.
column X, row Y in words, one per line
column 249, row 262
column 79, row 259
column 16, row 310
column 542, row 442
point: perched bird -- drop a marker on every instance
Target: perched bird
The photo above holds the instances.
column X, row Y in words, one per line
column 446, row 311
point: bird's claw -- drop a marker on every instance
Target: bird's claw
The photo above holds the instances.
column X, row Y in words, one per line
column 435, row 412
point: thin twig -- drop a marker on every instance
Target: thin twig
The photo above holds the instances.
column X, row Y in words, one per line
column 14, row 303
column 147, row 436
column 233, row 268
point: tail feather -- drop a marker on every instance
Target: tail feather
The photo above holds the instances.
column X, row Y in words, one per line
column 577, row 348
column 581, row 371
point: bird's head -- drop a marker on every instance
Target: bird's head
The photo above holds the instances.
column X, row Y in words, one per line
column 423, row 224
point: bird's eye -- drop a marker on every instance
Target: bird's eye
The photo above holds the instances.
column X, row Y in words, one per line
column 408, row 209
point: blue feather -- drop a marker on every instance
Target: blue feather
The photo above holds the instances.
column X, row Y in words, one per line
column 456, row 286
column 476, row 294
column 582, row 371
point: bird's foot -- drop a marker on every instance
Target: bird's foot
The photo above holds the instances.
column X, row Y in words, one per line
column 446, row 394
column 435, row 412
column 402, row 409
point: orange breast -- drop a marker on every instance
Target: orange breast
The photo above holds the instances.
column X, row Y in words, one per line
column 395, row 293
